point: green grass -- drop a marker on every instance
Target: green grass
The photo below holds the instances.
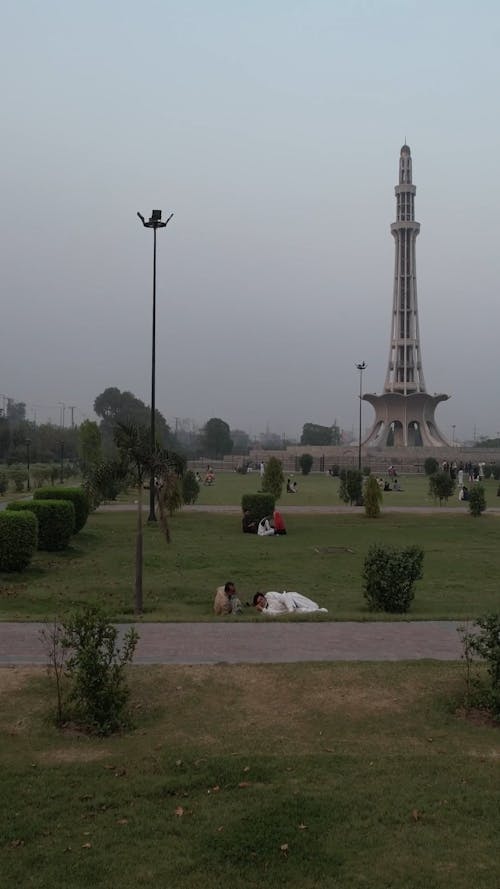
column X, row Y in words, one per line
column 321, row 490
column 304, row 777
column 321, row 556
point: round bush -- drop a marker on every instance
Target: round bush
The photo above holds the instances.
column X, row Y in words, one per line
column 56, row 521
column 76, row 496
column 258, row 505
column 18, row 539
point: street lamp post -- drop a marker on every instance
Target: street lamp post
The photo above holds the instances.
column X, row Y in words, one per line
column 453, row 434
column 361, row 367
column 155, row 223
column 61, row 474
column 28, row 443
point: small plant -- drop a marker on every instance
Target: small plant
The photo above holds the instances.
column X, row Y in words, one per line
column 351, row 486
column 273, row 479
column 306, row 462
column 441, row 486
column 431, row 466
column 495, row 471
column 84, row 649
column 477, row 500
column 372, row 497
column 366, row 471
column 190, row 487
column 483, row 642
column 389, row 576
column 19, row 478
column 334, row 470
column 4, row 482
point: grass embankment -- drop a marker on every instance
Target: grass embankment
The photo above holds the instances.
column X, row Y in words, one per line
column 324, row 776
column 322, row 556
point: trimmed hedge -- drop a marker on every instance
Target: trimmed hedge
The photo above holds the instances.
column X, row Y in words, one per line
column 18, row 539
column 56, row 521
column 77, row 496
column 258, row 505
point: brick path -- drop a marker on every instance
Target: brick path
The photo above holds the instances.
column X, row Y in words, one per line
column 213, row 643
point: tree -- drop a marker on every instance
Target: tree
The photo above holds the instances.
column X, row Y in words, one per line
column 441, row 486
column 89, row 443
column 115, row 407
column 351, row 486
column 273, row 479
column 372, row 497
column 241, row 441
column 314, row 434
column 305, row 463
column 477, row 500
column 217, row 438
column 431, row 465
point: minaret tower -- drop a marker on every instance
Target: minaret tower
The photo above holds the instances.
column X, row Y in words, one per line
column 405, row 412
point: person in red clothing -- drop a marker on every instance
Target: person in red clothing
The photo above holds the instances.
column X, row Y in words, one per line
column 279, row 524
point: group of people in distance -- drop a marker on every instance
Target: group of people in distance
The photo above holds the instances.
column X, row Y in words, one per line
column 270, row 604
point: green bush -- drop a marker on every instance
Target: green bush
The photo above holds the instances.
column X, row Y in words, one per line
column 477, row 500
column 441, row 486
column 389, row 575
column 495, row 471
column 99, row 693
column 77, row 496
column 190, row 487
column 273, row 480
column 372, row 497
column 483, row 642
column 306, row 462
column 431, row 466
column 56, row 521
column 351, row 486
column 334, row 470
column 258, row 505
column 18, row 539
column 19, row 477
column 366, row 471
column 4, row 482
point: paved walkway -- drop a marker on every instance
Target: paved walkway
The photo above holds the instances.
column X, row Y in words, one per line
column 233, row 643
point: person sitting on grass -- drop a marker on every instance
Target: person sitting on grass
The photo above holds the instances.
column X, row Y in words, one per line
column 265, row 528
column 273, row 603
column 248, row 524
column 226, row 600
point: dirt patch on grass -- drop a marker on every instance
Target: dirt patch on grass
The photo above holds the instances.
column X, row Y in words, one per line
column 75, row 753
column 15, row 678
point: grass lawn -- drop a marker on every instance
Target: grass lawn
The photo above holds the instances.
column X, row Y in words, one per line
column 321, row 490
column 321, row 556
column 305, row 777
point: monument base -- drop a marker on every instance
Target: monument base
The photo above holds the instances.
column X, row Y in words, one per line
column 405, row 420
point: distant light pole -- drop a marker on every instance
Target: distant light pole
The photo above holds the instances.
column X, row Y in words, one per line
column 153, row 222
column 61, row 475
column 454, row 426
column 28, row 442
column 361, row 367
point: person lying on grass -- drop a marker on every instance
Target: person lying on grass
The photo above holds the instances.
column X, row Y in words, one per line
column 273, row 603
column 226, row 599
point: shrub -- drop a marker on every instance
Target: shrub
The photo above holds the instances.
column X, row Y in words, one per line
column 431, row 466
column 495, row 471
column 4, row 482
column 483, row 642
column 258, row 505
column 334, row 470
column 351, row 486
column 366, row 471
column 389, row 575
column 305, row 463
column 40, row 476
column 441, row 486
column 477, row 500
column 372, row 497
column 56, row 521
column 77, row 496
column 19, row 477
column 18, row 539
column 95, row 667
column 273, row 479
column 190, row 487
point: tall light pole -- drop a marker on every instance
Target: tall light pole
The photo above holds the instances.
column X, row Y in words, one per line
column 155, row 223
column 453, row 434
column 28, row 442
column 361, row 367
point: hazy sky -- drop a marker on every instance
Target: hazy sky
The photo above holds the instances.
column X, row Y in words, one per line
column 272, row 130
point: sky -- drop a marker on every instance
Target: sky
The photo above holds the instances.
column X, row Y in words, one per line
column 272, row 130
